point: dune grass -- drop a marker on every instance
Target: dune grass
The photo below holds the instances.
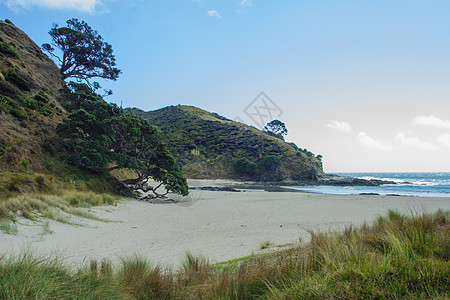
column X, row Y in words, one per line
column 60, row 207
column 397, row 257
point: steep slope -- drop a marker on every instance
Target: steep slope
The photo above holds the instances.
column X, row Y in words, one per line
column 31, row 158
column 208, row 145
column 29, row 106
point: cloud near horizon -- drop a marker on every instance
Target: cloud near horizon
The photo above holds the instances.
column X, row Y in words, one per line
column 432, row 121
column 339, row 125
column 371, row 143
column 413, row 141
column 80, row 5
column 214, row 13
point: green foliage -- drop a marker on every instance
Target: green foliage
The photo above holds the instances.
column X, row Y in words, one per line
column 8, row 51
column 42, row 96
column 24, row 162
column 12, row 106
column 276, row 128
column 32, row 277
column 207, row 145
column 243, row 165
column 84, row 53
column 18, row 106
column 100, row 137
column 269, row 163
column 39, row 103
column 19, row 79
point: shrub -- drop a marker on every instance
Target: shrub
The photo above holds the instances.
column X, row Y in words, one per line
column 269, row 163
column 8, row 51
column 20, row 80
column 243, row 165
column 41, row 96
column 24, row 162
column 39, row 103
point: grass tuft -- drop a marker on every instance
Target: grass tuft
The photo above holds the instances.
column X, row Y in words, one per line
column 144, row 281
column 8, row 227
column 55, row 207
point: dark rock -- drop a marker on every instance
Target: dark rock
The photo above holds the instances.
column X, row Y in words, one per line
column 215, row 188
column 336, row 180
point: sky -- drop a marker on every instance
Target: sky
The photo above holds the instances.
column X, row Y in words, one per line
column 365, row 84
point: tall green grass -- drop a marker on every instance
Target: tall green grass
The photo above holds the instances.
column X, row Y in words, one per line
column 397, row 257
column 32, row 277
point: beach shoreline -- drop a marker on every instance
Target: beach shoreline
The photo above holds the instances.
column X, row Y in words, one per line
column 216, row 224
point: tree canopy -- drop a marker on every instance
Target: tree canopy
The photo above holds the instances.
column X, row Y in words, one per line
column 84, row 53
column 100, row 137
column 276, row 128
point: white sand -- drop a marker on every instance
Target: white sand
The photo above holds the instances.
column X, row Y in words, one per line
column 219, row 225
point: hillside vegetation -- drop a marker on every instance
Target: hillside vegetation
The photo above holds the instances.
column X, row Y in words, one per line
column 208, row 145
column 30, row 109
column 67, row 135
column 29, row 106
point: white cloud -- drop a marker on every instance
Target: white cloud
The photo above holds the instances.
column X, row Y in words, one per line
column 214, row 13
column 413, row 141
column 247, row 3
column 371, row 143
column 81, row 5
column 339, row 125
column 444, row 139
column 432, row 121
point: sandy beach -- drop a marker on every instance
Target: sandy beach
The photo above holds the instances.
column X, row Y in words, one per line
column 218, row 225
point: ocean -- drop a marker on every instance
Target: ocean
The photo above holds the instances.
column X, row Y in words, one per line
column 433, row 184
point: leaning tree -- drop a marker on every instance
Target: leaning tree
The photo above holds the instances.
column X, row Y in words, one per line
column 100, row 137
column 83, row 53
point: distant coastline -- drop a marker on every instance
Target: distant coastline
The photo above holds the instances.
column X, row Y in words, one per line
column 430, row 184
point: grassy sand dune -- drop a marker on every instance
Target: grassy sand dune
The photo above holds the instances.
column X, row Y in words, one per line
column 396, row 257
column 62, row 207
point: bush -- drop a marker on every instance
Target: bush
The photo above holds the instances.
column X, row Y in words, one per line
column 24, row 163
column 243, row 165
column 39, row 103
column 8, row 51
column 269, row 163
column 41, row 96
column 20, row 80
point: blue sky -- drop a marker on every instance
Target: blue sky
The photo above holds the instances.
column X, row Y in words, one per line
column 363, row 83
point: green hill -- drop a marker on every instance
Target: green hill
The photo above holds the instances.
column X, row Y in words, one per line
column 29, row 104
column 31, row 154
column 208, row 145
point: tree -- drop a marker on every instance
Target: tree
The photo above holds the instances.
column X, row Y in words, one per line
column 269, row 163
column 84, row 53
column 245, row 166
column 276, row 128
column 100, row 137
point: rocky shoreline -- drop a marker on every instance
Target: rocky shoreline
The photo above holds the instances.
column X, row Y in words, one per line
column 336, row 180
column 328, row 179
column 277, row 186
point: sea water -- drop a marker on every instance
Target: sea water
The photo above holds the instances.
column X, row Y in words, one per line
column 435, row 184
